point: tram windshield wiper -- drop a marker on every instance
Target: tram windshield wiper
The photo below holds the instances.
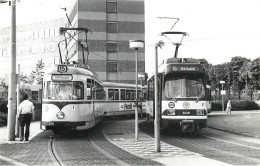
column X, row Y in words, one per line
column 171, row 95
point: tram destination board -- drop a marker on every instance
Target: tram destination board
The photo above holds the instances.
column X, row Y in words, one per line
column 185, row 68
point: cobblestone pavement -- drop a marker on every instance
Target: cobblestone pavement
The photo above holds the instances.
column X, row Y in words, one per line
column 121, row 133
column 34, row 152
column 114, row 138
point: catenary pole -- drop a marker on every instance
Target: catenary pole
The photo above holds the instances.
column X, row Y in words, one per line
column 12, row 77
column 156, row 120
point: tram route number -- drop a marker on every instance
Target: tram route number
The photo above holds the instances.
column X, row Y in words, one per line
column 62, row 68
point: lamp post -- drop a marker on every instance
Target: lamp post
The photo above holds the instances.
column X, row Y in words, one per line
column 136, row 44
column 12, row 75
column 156, row 118
column 222, row 94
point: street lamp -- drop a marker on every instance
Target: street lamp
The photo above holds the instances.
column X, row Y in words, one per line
column 136, row 44
column 12, row 75
column 222, row 93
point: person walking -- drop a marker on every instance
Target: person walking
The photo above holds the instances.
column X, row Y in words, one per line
column 228, row 109
column 25, row 114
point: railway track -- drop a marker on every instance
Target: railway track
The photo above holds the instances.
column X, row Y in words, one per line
column 225, row 147
column 80, row 150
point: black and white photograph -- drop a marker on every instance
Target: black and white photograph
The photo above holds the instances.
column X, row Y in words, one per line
column 130, row 82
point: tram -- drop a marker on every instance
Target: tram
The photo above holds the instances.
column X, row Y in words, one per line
column 73, row 98
column 120, row 99
column 184, row 97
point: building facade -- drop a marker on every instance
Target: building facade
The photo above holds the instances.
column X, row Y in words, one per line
column 34, row 42
column 112, row 23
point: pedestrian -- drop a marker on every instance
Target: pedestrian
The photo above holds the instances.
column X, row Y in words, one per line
column 25, row 116
column 228, row 109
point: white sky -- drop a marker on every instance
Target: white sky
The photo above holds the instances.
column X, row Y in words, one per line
column 30, row 11
column 218, row 29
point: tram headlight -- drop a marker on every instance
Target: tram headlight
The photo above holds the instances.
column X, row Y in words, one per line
column 171, row 112
column 60, row 115
column 200, row 112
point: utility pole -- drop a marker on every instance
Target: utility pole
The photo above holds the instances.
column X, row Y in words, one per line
column 12, row 77
column 156, row 118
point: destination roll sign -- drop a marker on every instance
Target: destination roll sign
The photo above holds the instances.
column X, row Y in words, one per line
column 185, row 68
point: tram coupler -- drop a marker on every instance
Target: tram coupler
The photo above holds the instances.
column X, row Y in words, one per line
column 187, row 126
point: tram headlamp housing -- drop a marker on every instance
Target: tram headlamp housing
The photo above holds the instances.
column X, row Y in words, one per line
column 201, row 112
column 60, row 115
column 171, row 111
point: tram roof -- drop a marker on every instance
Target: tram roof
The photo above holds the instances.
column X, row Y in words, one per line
column 120, row 85
column 74, row 70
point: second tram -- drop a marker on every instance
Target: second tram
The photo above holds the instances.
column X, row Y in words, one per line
column 184, row 97
column 120, row 99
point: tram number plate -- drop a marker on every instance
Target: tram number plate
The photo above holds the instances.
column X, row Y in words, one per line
column 62, row 68
column 186, row 112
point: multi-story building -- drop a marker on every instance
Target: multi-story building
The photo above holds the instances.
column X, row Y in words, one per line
column 112, row 23
column 34, row 42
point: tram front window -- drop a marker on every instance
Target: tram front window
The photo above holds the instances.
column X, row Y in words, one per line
column 183, row 86
column 63, row 90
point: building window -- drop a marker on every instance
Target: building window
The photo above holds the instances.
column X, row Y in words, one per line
column 111, row 47
column 111, row 7
column 111, row 66
column 111, row 27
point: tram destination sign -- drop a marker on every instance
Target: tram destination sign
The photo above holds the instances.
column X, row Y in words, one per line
column 61, row 77
column 185, row 68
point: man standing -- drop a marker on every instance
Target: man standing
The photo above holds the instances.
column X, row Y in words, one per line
column 25, row 114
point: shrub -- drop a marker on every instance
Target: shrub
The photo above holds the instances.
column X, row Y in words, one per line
column 3, row 119
column 3, row 106
column 236, row 105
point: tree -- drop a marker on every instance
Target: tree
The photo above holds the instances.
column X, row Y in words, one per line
column 3, row 90
column 37, row 74
column 236, row 64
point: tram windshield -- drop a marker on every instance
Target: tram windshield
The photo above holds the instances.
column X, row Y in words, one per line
column 184, row 85
column 63, row 90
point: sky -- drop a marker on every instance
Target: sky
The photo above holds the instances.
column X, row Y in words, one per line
column 218, row 29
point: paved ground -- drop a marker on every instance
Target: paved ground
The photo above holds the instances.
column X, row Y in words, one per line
column 121, row 134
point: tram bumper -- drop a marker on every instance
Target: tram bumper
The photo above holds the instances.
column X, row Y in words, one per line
column 187, row 126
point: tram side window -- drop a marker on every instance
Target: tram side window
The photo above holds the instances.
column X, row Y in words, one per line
column 110, row 94
column 89, row 83
column 99, row 92
column 116, row 94
column 132, row 95
column 122, row 94
column 113, row 94
column 127, row 94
